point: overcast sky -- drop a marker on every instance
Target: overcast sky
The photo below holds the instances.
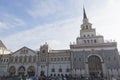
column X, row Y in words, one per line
column 31, row 23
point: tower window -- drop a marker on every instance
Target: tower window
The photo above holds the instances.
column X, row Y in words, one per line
column 86, row 26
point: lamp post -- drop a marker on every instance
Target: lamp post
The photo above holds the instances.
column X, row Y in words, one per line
column 47, row 64
column 0, row 64
column 37, row 63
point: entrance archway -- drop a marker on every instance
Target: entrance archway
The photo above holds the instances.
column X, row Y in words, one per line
column 12, row 70
column 95, row 66
column 31, row 71
column 21, row 71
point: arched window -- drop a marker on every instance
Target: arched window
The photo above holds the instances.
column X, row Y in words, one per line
column 12, row 70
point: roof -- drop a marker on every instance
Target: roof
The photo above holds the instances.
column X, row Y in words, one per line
column 2, row 45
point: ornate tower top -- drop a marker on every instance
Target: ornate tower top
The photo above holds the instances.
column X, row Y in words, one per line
column 88, row 38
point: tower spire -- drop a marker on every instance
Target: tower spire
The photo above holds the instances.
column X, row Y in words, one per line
column 84, row 13
column 85, row 19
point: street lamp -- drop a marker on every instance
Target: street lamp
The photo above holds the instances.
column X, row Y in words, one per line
column 37, row 62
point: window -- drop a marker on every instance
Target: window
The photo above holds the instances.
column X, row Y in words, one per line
column 51, row 59
column 69, row 58
column 88, row 35
column 11, row 60
column 74, row 59
column 65, row 58
column 34, row 59
column 79, row 59
column 86, row 26
column 52, row 70
column 16, row 59
column 24, row 51
column 25, row 59
column 67, row 70
column 91, row 41
column 29, row 60
column 84, row 36
column 58, row 59
column 20, row 59
column 84, row 41
column 61, row 59
column 95, row 41
column 54, row 59
column 88, row 41
column 60, row 70
column 114, row 58
column 6, row 60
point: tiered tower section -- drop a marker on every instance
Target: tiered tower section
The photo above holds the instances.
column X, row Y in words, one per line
column 88, row 37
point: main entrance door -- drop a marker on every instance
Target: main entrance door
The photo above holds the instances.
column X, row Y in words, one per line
column 95, row 66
